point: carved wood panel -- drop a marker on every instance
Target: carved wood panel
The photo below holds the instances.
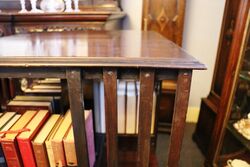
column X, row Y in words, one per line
column 165, row 17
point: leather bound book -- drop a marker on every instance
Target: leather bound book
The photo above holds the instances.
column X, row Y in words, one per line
column 38, row 143
column 57, row 140
column 24, row 139
column 9, row 144
column 69, row 144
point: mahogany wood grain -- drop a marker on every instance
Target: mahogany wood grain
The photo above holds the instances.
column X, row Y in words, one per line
column 222, row 114
column 74, row 81
column 179, row 117
column 147, row 78
column 94, row 49
column 164, row 17
column 110, row 94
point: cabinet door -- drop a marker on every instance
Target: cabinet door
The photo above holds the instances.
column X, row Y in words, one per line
column 236, row 142
column 165, row 17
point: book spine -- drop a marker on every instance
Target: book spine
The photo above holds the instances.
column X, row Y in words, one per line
column 26, row 152
column 90, row 139
column 50, row 154
column 58, row 151
column 40, row 155
column 11, row 153
column 70, row 153
column 2, row 158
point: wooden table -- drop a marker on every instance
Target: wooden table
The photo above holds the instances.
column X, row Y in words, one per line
column 76, row 56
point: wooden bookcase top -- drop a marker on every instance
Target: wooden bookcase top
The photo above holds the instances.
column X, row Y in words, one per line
column 95, row 49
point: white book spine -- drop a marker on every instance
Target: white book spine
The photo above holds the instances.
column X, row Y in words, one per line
column 102, row 108
column 121, row 106
column 131, row 108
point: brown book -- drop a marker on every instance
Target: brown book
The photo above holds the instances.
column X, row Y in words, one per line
column 38, row 143
column 5, row 118
column 9, row 143
column 57, row 140
column 22, row 106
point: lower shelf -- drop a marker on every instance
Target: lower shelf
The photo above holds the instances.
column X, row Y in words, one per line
column 127, row 152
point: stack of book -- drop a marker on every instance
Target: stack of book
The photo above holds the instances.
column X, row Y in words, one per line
column 38, row 138
column 128, row 93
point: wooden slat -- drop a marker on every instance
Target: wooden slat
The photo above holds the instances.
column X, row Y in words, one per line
column 180, row 110
column 110, row 93
column 77, row 111
column 34, row 72
column 147, row 77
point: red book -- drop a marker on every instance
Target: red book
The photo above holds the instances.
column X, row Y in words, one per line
column 24, row 139
column 9, row 144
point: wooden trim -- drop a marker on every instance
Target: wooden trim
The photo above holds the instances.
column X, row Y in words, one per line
column 147, row 77
column 179, row 117
column 74, row 80
column 110, row 94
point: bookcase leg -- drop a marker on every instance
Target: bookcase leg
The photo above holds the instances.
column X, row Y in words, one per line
column 74, row 81
column 180, row 110
column 110, row 93
column 147, row 78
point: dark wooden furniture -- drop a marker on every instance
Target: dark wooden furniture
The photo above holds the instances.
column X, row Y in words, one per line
column 13, row 22
column 215, row 109
column 108, row 56
column 166, row 18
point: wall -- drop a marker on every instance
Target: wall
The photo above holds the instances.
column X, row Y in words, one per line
column 200, row 38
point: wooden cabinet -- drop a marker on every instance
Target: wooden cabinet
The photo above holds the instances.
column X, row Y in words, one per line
column 216, row 108
column 94, row 15
column 107, row 55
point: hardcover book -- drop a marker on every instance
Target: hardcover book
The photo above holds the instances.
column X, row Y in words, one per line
column 57, row 140
column 24, row 139
column 22, row 106
column 8, row 142
column 69, row 144
column 38, row 143
column 6, row 127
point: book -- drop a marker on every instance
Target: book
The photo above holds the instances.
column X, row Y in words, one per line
column 57, row 140
column 131, row 108
column 6, row 127
column 121, row 107
column 38, row 143
column 22, row 106
column 102, row 108
column 69, row 144
column 54, row 100
column 8, row 142
column 5, row 118
column 24, row 139
column 48, row 142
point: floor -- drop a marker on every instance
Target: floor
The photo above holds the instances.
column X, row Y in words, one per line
column 190, row 155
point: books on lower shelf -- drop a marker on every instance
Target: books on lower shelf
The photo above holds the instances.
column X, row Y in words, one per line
column 128, row 93
column 37, row 138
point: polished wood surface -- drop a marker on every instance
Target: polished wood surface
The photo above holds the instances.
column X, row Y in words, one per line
column 107, row 48
column 108, row 55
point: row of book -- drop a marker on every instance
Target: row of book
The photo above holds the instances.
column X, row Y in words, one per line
column 127, row 107
column 38, row 138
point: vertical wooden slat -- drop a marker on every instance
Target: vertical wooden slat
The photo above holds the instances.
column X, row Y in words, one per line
column 180, row 110
column 74, row 81
column 147, row 77
column 110, row 93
